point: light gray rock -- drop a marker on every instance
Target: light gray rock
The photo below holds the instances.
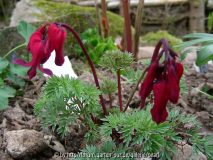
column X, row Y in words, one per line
column 23, row 143
column 16, row 112
column 210, row 4
column 23, row 11
column 185, row 151
column 145, row 52
column 54, row 144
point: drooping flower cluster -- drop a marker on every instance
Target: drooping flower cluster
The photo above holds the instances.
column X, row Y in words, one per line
column 163, row 78
column 41, row 44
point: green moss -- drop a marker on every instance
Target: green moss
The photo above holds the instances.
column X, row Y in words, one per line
column 54, row 9
column 152, row 38
column 78, row 18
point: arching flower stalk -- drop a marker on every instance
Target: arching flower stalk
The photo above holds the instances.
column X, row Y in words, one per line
column 163, row 78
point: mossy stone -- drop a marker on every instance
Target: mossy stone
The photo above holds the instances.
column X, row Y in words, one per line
column 152, row 39
column 55, row 9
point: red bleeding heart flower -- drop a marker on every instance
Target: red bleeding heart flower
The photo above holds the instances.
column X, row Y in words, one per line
column 41, row 45
column 163, row 78
column 57, row 37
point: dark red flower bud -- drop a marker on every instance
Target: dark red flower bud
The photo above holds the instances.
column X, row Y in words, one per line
column 161, row 93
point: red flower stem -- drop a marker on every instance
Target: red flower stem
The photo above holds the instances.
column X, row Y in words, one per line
column 92, row 117
column 127, row 26
column 157, row 48
column 119, row 90
column 90, row 63
column 80, row 118
column 110, row 101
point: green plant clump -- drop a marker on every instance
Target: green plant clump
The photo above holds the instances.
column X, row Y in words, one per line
column 152, row 38
column 95, row 45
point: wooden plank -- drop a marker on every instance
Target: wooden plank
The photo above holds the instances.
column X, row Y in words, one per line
column 91, row 3
column 113, row 4
column 134, row 3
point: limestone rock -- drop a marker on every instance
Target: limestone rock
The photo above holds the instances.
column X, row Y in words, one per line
column 24, row 11
column 24, row 143
column 184, row 153
column 16, row 112
column 145, row 52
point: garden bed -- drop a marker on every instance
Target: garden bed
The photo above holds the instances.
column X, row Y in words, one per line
column 19, row 115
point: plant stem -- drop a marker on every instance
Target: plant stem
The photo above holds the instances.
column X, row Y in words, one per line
column 104, row 13
column 4, row 13
column 127, row 26
column 157, row 48
column 14, row 50
column 92, row 117
column 133, row 92
column 90, row 63
column 99, row 18
column 138, row 23
column 110, row 101
column 119, row 90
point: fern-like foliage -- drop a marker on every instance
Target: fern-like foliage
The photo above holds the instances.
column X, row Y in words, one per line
column 132, row 76
column 107, row 151
column 138, row 128
column 63, row 99
column 115, row 60
column 183, row 87
column 108, row 86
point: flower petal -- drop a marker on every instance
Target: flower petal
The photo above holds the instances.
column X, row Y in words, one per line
column 179, row 70
column 32, row 71
column 147, row 84
column 161, row 93
column 174, row 84
column 22, row 62
column 57, row 37
column 47, row 50
column 45, row 70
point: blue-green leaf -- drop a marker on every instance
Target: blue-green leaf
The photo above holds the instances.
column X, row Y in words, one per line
column 194, row 42
column 0, row 35
column 205, row 55
column 26, row 30
column 183, row 55
column 199, row 35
